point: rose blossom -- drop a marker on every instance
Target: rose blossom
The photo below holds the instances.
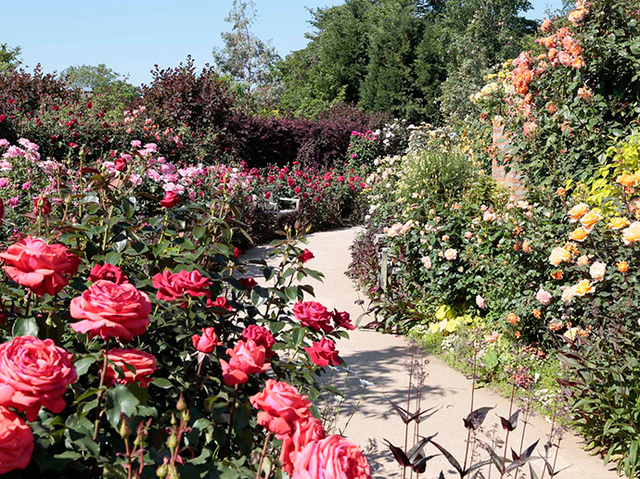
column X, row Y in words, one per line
column 281, row 406
column 111, row 310
column 248, row 283
column 480, row 302
column 492, row 337
column 451, row 254
column 16, row 442
column 246, row 358
column 143, row 363
column 207, row 342
column 306, row 431
column 313, row 315
column 597, row 271
column 331, row 458
column 261, row 336
column 305, row 256
column 323, row 353
column 559, row 255
column 172, row 286
column 426, row 262
column 342, row 319
column 543, row 296
column 220, row 302
column 34, row 373
column 38, row 266
column 107, row 272
column 170, row 200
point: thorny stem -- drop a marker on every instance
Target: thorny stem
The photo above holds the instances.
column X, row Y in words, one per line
column 29, row 294
column 233, row 410
column 103, row 374
column 264, row 453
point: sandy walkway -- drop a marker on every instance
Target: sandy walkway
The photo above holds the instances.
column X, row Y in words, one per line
column 381, row 359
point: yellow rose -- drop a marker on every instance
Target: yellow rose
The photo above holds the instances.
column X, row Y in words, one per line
column 578, row 211
column 618, row 223
column 590, row 219
column 631, row 234
column 559, row 255
column 579, row 234
column 584, row 287
column 571, row 334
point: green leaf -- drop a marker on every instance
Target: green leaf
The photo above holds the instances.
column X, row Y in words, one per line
column 25, row 327
column 121, row 401
column 82, row 365
column 162, row 383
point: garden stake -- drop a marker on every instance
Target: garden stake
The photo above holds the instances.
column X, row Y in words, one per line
column 264, row 453
column 105, row 352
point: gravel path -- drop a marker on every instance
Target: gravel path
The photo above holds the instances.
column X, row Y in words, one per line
column 381, row 359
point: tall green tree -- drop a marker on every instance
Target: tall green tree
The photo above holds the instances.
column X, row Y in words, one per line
column 9, row 57
column 112, row 87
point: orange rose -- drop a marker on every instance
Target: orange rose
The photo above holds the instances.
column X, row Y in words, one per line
column 559, row 255
column 628, row 180
column 537, row 313
column 579, row 234
column 590, row 219
column 555, row 325
column 618, row 223
column 561, row 191
column 526, row 246
column 571, row 248
column 623, row 266
column 513, row 318
column 557, row 275
column 578, row 211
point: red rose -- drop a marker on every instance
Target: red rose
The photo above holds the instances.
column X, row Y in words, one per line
column 261, row 336
column 34, row 373
column 323, row 353
column 207, row 342
column 248, row 283
column 313, row 315
column 121, row 164
column 41, row 205
column 170, row 200
column 38, row 266
column 143, row 363
column 2, row 118
column 237, row 252
column 1, row 211
column 246, row 358
column 172, row 286
column 306, row 431
column 220, row 303
column 111, row 310
column 331, row 458
column 281, row 406
column 305, row 256
column 342, row 319
column 107, row 272
column 16, row 442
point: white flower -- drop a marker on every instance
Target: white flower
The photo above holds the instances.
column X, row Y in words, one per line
column 366, row 383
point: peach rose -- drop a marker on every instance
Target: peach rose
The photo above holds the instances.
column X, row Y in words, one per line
column 246, row 358
column 583, row 260
column 568, row 294
column 513, row 318
column 589, row 220
column 306, row 431
column 618, row 223
column 490, row 338
column 584, row 287
column 451, row 254
column 16, row 442
column 331, row 458
column 281, row 406
column 38, row 266
column 313, row 315
column 579, row 234
column 631, row 234
column 555, row 325
column 526, row 246
column 559, row 255
column 144, row 365
column 111, row 310
column 629, row 181
column 623, row 266
column 577, row 212
column 597, row 271
column 34, row 374
column 426, row 262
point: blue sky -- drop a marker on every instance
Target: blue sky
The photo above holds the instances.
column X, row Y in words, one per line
column 131, row 36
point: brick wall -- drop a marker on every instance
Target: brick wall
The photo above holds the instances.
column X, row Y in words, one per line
column 498, row 172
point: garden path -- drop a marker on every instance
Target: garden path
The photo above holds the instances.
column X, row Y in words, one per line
column 381, row 359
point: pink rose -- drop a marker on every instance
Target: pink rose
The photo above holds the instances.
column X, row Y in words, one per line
column 16, row 442
column 342, row 319
column 111, row 310
column 323, row 353
column 281, row 406
column 143, row 363
column 480, row 302
column 306, row 431
column 38, row 266
column 246, row 358
column 331, row 458
column 261, row 336
column 108, row 272
column 172, row 286
column 543, row 296
column 207, row 342
column 305, row 256
column 34, row 374
column 313, row 315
